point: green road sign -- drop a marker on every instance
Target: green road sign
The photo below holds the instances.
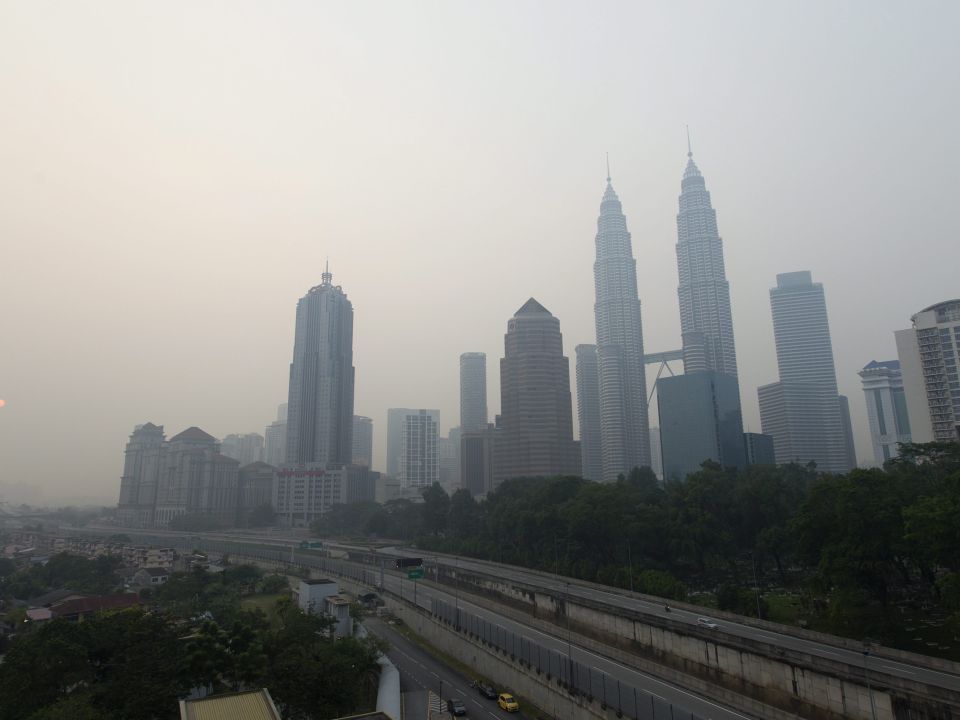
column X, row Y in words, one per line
column 415, row 574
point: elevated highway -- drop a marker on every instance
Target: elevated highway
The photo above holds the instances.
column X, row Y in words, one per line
column 797, row 672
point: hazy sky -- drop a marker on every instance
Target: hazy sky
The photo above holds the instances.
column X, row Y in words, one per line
column 173, row 176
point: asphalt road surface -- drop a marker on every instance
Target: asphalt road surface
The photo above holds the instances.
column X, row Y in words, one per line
column 420, row 671
column 424, row 592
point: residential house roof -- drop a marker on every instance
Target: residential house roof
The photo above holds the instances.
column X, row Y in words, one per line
column 250, row 705
column 97, row 603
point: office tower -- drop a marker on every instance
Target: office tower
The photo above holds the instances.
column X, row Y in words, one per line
column 142, row 464
column 624, row 430
column 473, row 391
column 477, row 451
column 758, row 449
column 303, row 494
column 448, row 453
column 706, row 322
column 700, row 417
column 537, row 417
column 929, row 354
column 656, row 453
column 254, row 489
column 320, row 403
column 803, row 410
column 588, row 411
column 245, row 449
column 419, row 465
column 362, row 441
column 886, row 408
column 699, row 420
column 275, row 438
column 394, row 428
column 196, row 479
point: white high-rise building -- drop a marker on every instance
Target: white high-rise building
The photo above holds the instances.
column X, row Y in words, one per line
column 886, row 408
column 624, row 428
column 929, row 355
column 473, row 391
column 245, row 449
column 803, row 411
column 419, row 465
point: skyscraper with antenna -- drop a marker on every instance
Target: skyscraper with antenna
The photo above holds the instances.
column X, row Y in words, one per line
column 624, row 428
column 706, row 323
column 320, row 401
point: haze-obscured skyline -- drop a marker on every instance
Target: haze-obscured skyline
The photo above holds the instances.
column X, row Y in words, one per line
column 173, row 177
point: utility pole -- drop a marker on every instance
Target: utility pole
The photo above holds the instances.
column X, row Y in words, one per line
column 630, row 565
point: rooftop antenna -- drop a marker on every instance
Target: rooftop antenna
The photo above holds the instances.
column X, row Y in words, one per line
column 327, row 277
column 689, row 148
column 608, row 167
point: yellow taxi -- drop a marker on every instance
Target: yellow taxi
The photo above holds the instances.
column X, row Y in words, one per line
column 506, row 701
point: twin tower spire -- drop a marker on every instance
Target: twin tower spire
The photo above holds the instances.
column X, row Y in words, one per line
column 706, row 326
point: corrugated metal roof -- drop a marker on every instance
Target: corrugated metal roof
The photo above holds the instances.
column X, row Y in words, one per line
column 252, row 705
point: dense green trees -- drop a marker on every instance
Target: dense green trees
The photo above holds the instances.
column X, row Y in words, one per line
column 851, row 547
column 136, row 663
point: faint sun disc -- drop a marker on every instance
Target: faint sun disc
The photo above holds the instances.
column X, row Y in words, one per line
column 2, row 402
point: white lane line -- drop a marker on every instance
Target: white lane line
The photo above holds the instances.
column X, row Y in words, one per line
column 617, row 664
column 434, row 674
column 898, row 669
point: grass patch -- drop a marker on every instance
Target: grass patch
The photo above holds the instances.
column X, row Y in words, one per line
column 261, row 602
column 784, row 609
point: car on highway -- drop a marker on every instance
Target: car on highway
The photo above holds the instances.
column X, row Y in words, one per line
column 486, row 690
column 456, row 707
column 707, row 623
column 506, row 702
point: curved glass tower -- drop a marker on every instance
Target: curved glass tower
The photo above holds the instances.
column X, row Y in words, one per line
column 624, row 429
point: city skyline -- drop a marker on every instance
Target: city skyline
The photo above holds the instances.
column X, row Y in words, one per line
column 164, row 232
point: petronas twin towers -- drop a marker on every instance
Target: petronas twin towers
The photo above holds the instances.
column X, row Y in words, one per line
column 624, row 428
column 706, row 327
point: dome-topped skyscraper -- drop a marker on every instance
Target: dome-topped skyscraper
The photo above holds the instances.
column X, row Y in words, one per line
column 624, row 428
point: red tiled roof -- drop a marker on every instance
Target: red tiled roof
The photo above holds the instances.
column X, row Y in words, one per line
column 98, row 603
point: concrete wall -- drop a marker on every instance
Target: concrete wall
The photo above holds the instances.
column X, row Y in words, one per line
column 793, row 681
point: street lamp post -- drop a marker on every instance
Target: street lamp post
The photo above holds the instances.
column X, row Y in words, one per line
column 569, row 634
column 630, row 565
column 866, row 671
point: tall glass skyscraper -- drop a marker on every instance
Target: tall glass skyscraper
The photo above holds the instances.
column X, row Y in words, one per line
column 700, row 417
column 320, row 403
column 706, row 322
column 803, row 411
column 473, row 391
column 624, row 427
